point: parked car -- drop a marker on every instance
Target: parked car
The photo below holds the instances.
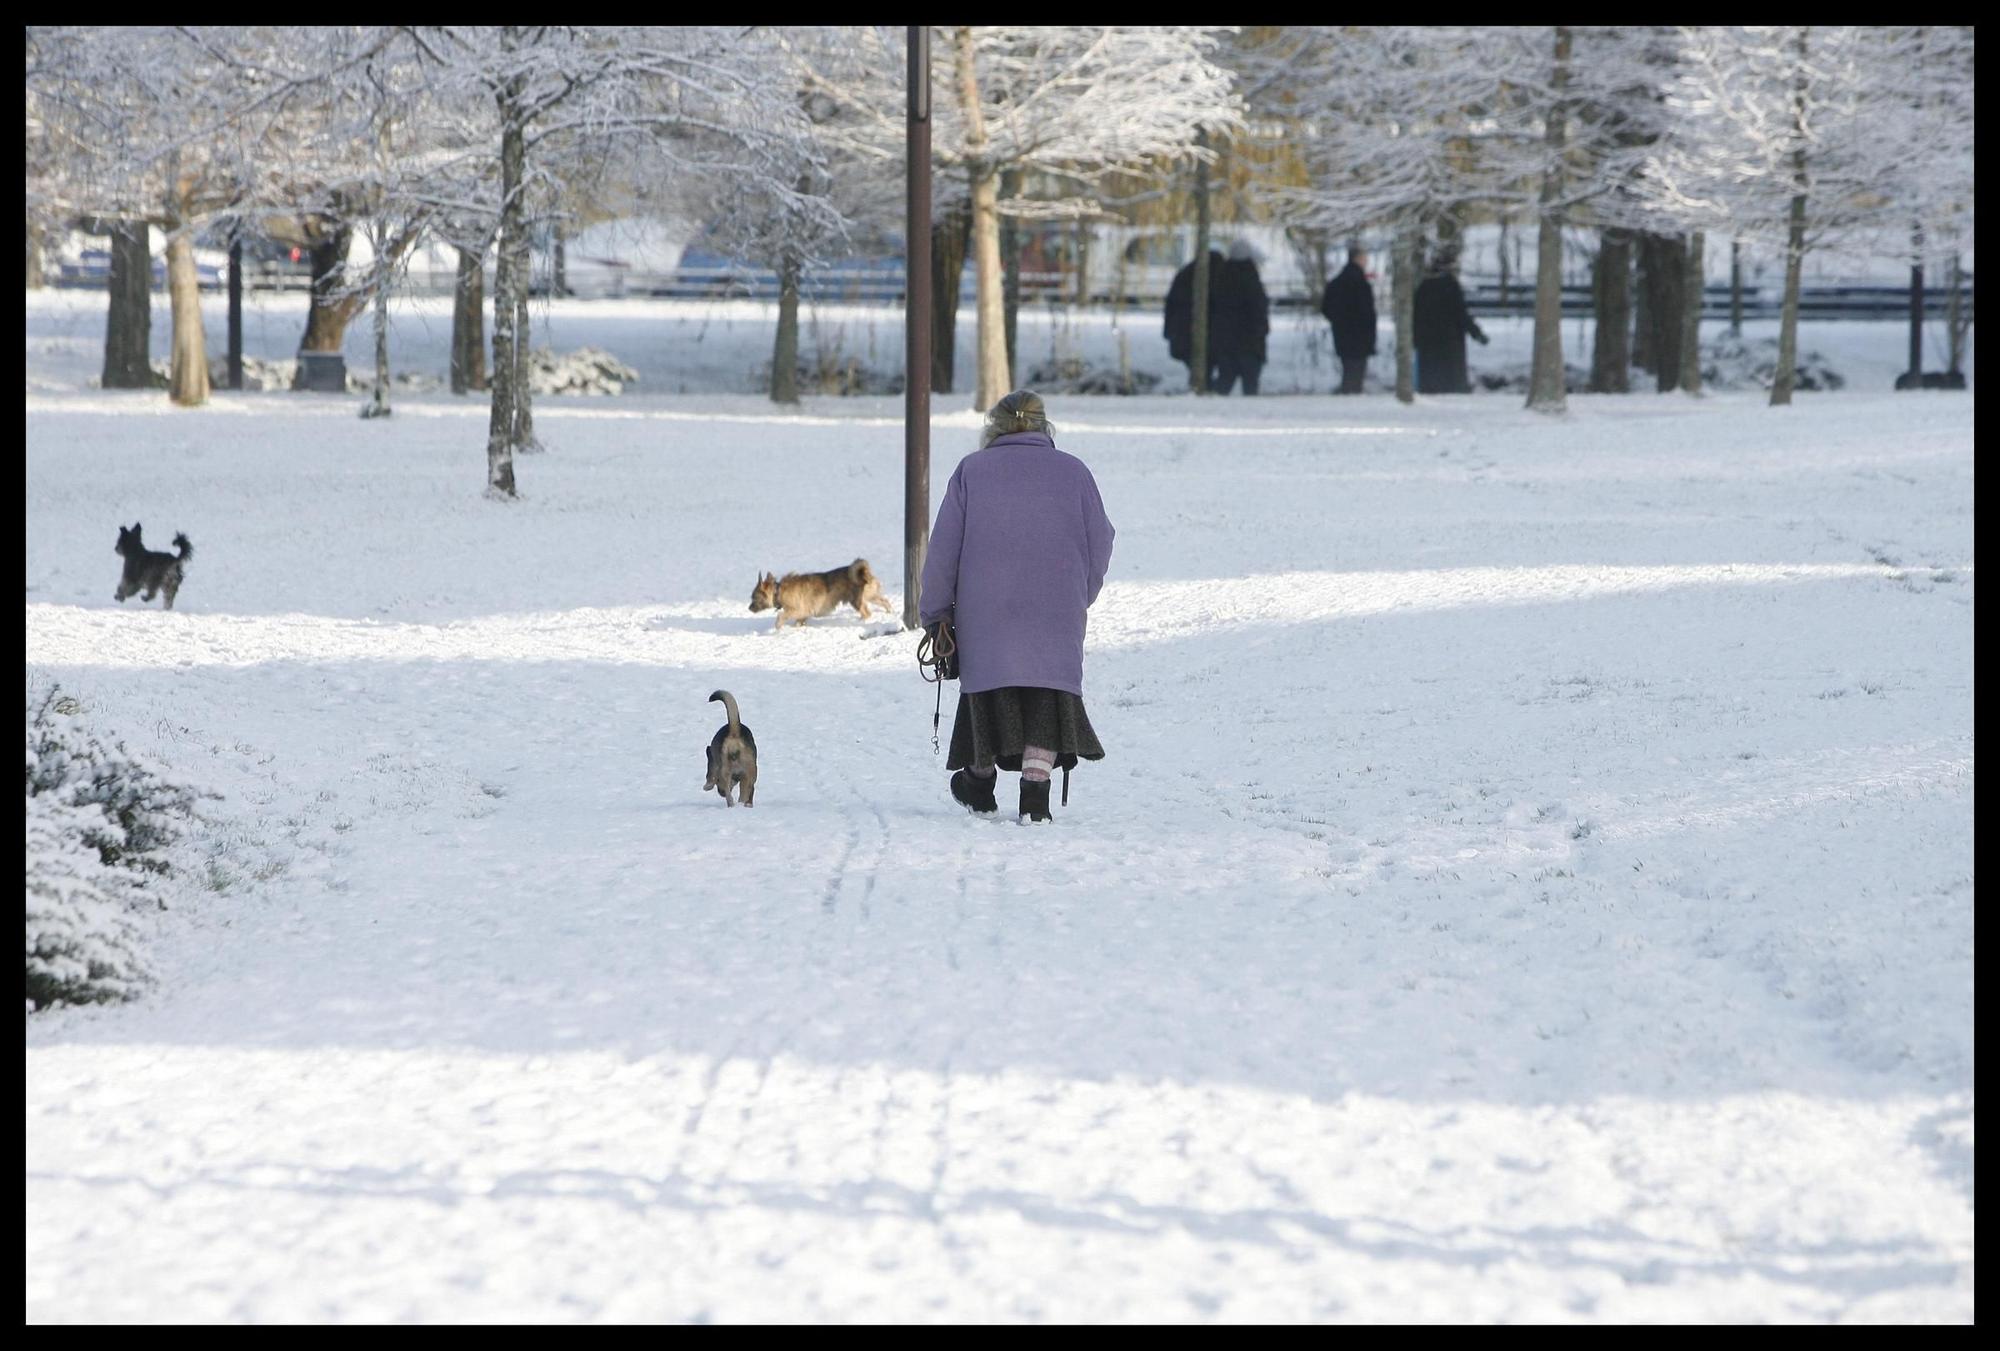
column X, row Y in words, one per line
column 81, row 259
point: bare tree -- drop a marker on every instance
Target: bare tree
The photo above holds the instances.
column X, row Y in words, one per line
column 1546, row 391
column 1070, row 104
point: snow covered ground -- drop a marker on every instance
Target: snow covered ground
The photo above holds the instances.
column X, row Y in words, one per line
column 1532, row 877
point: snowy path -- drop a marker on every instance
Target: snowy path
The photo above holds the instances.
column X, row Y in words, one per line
column 1532, row 878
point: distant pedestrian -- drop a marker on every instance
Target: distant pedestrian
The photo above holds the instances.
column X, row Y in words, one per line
column 1241, row 323
column 1349, row 305
column 1441, row 324
column 1180, row 317
column 1015, row 563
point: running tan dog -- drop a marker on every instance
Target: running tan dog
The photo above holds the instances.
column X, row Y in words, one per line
column 800, row 596
column 732, row 755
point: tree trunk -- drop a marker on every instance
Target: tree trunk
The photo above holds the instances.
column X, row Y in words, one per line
column 1693, row 284
column 994, row 381
column 525, row 440
column 1010, row 260
column 1916, row 375
column 949, row 237
column 1611, row 348
column 558, row 264
column 468, row 324
column 1662, row 280
column 187, row 385
column 1081, row 249
column 1788, row 319
column 378, row 405
column 785, row 351
column 500, row 423
column 1546, row 391
column 1404, row 292
column 1198, row 355
column 1795, row 243
column 1505, row 277
column 35, row 277
column 1735, row 288
column 128, row 325
column 327, row 320
column 235, row 338
column 1642, row 305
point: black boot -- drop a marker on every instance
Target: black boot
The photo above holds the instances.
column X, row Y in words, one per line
column 1035, row 800
column 973, row 792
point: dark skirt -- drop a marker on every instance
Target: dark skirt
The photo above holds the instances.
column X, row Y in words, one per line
column 993, row 725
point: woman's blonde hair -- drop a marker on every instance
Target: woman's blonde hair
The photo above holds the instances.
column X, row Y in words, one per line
column 1020, row 411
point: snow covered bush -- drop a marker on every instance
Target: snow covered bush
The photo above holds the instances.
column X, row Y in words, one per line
column 1074, row 375
column 83, row 935
column 587, row 370
column 99, row 823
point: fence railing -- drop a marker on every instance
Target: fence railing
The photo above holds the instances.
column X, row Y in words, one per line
column 884, row 285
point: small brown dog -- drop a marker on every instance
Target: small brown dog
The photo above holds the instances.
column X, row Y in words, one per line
column 800, row 596
column 732, row 755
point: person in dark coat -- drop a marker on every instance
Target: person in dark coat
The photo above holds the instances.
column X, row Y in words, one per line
column 1016, row 560
column 1349, row 305
column 1180, row 317
column 1441, row 324
column 1241, row 322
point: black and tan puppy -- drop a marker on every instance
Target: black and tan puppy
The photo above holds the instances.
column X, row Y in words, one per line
column 732, row 755
column 147, row 571
column 800, row 596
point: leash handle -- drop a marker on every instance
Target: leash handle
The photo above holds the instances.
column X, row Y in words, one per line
column 937, row 662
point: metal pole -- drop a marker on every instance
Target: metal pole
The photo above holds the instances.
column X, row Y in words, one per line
column 1202, row 281
column 236, row 312
column 917, row 327
column 1735, row 288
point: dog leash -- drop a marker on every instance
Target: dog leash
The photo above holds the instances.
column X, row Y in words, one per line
column 937, row 662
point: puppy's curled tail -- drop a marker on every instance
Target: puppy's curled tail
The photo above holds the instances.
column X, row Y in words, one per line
column 183, row 548
column 728, row 701
column 860, row 571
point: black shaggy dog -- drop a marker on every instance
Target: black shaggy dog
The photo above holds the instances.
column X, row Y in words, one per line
column 147, row 571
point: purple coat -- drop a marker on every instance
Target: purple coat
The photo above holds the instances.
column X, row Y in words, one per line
column 1016, row 559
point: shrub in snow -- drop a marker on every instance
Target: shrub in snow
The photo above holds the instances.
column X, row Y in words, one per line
column 83, row 934
column 258, row 374
column 1726, row 363
column 587, row 370
column 415, row 382
column 99, row 822
column 1074, row 375
column 831, row 373
column 1734, row 363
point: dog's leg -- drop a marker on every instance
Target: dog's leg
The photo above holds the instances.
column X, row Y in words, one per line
column 749, row 784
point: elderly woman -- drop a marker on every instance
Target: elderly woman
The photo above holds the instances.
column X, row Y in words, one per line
column 1016, row 559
